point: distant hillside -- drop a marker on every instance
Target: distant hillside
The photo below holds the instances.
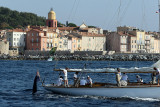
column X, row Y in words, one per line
column 13, row 19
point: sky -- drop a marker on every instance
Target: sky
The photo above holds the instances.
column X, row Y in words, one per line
column 106, row 14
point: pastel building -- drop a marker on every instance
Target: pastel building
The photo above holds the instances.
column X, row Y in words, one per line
column 74, row 42
column 52, row 40
column 36, row 40
column 93, row 42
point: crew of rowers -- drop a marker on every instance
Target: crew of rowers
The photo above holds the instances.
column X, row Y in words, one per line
column 122, row 79
column 77, row 82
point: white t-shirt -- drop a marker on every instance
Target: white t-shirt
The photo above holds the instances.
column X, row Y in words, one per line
column 89, row 81
column 83, row 82
column 65, row 72
column 59, row 81
column 75, row 76
column 124, row 77
column 158, row 71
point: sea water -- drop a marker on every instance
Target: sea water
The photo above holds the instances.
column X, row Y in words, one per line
column 16, row 82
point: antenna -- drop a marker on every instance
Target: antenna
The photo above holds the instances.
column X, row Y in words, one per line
column 159, row 13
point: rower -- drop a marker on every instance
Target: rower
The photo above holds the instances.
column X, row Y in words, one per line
column 83, row 82
column 89, row 81
column 75, row 77
column 59, row 81
column 158, row 73
column 139, row 79
column 124, row 79
column 118, row 77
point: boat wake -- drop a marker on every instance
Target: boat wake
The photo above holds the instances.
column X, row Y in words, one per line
column 51, row 95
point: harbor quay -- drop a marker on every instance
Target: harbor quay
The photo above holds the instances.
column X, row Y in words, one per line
column 84, row 56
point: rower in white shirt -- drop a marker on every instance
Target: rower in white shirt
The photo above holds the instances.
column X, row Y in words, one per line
column 83, row 82
column 59, row 81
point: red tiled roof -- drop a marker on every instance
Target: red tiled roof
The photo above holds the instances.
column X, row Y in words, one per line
column 91, row 34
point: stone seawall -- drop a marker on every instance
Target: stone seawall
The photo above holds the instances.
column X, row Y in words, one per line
column 115, row 57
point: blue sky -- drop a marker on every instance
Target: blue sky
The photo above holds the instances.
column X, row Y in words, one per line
column 107, row 14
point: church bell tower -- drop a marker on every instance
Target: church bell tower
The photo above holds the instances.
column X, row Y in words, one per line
column 51, row 21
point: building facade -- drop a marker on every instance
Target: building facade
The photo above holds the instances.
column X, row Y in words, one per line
column 36, row 40
column 16, row 38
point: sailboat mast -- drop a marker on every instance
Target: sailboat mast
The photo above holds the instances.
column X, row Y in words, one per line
column 159, row 13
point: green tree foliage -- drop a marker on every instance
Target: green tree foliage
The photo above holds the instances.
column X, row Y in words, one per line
column 92, row 27
column 14, row 19
column 72, row 25
column 52, row 51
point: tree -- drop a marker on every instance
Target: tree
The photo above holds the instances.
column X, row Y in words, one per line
column 72, row 25
column 4, row 25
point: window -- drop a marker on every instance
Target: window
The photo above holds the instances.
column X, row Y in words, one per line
column 37, row 34
column 55, row 44
column 32, row 34
column 32, row 40
column 37, row 44
column 60, row 46
column 14, row 39
column 135, row 41
column 17, row 39
column 37, row 39
column 32, row 44
column 47, row 45
column 51, row 35
column 28, row 34
column 14, row 43
column 51, row 40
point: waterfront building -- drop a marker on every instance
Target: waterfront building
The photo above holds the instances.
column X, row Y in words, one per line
column 16, row 38
column 74, row 42
column 132, row 43
column 117, row 42
column 62, row 43
column 52, row 40
column 4, row 47
column 36, row 40
column 93, row 42
column 140, row 34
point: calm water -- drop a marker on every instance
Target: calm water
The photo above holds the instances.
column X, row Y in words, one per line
column 16, row 79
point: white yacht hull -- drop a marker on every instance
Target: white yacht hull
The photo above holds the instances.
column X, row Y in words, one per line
column 145, row 92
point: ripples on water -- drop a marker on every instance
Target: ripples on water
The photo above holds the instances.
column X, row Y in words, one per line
column 16, row 79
